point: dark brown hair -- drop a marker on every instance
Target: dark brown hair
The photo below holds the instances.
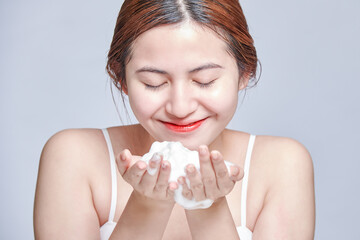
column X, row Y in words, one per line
column 225, row 17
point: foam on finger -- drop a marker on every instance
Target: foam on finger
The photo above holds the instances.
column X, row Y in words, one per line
column 179, row 157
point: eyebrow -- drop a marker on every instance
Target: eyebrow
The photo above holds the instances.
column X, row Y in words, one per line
column 198, row 69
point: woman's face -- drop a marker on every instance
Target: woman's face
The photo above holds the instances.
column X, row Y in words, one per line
column 182, row 84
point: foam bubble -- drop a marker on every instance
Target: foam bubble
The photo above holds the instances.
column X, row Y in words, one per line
column 179, row 157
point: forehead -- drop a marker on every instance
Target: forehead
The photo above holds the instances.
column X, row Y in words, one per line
column 180, row 45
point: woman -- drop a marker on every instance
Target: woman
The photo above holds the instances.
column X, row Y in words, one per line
column 181, row 64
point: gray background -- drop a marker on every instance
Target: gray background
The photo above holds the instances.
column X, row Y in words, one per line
column 52, row 61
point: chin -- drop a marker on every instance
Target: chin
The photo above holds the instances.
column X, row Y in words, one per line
column 194, row 143
column 191, row 146
column 191, row 141
column 188, row 142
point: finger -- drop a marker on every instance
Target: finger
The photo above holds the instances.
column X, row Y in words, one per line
column 236, row 173
column 207, row 173
column 171, row 190
column 154, row 163
column 222, row 174
column 134, row 174
column 186, row 192
column 196, row 185
column 163, row 179
column 149, row 179
column 123, row 161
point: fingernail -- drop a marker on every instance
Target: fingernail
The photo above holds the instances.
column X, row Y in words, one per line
column 202, row 150
column 156, row 157
column 235, row 171
column 181, row 180
column 154, row 161
column 164, row 166
column 141, row 165
column 191, row 169
column 173, row 186
column 215, row 155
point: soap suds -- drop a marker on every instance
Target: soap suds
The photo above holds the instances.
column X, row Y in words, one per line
column 179, row 157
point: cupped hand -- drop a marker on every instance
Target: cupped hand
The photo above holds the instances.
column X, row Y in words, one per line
column 213, row 181
column 154, row 185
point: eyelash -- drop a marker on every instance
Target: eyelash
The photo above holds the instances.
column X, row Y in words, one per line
column 206, row 85
column 154, row 88
column 201, row 85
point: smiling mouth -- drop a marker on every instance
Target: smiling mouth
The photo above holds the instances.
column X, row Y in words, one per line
column 184, row 128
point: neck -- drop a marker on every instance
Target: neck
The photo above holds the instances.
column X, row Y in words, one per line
column 218, row 143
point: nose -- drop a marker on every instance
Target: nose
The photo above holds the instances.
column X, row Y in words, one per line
column 181, row 101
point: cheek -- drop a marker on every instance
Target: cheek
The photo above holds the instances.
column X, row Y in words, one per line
column 142, row 104
column 223, row 101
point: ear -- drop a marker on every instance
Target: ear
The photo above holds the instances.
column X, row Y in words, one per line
column 243, row 81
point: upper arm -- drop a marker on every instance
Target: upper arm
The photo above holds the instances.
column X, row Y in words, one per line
column 289, row 206
column 63, row 206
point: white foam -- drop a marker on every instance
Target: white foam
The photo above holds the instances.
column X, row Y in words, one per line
column 179, row 157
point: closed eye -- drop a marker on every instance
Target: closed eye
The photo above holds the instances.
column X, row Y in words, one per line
column 151, row 87
column 206, row 85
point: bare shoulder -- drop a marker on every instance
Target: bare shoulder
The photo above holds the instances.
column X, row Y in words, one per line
column 63, row 199
column 73, row 150
column 72, row 140
column 288, row 169
column 285, row 164
column 77, row 140
column 285, row 155
column 76, row 150
column 273, row 152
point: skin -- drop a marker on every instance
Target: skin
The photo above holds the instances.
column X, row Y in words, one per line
column 74, row 186
column 195, row 78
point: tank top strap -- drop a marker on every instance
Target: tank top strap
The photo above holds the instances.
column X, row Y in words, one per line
column 246, row 179
column 113, row 175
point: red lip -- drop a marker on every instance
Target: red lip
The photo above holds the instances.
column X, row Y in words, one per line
column 184, row 128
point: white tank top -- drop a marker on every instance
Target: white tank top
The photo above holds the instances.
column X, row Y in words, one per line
column 108, row 227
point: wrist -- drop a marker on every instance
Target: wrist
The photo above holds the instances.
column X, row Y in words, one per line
column 217, row 219
column 219, row 201
column 150, row 203
column 216, row 204
column 143, row 218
